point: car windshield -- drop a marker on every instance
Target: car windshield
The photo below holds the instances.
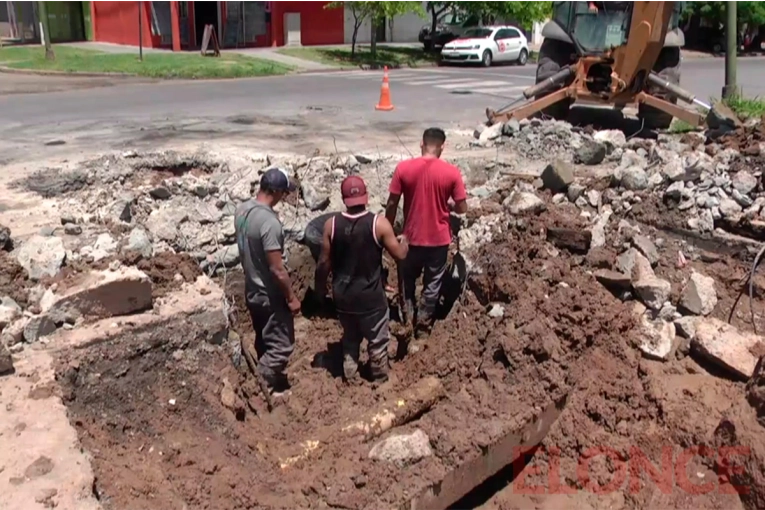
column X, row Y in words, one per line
column 478, row 33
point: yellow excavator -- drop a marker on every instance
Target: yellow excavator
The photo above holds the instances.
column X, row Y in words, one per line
column 612, row 53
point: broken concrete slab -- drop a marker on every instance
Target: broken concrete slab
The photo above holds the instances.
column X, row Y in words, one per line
column 699, row 296
column 557, row 176
column 726, row 346
column 102, row 294
column 686, row 327
column 652, row 291
column 613, row 280
column 590, row 153
column 403, row 449
column 523, row 202
column 645, row 246
column 42, row 256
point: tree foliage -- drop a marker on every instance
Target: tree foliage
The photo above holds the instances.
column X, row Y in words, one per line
column 523, row 13
column 750, row 13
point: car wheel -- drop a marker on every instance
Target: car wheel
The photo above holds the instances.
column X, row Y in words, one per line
column 486, row 59
column 523, row 57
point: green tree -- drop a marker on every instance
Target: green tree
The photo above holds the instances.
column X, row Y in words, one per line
column 524, row 13
column 360, row 12
column 380, row 11
column 376, row 12
column 748, row 13
column 436, row 9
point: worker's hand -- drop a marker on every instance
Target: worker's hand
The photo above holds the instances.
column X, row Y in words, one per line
column 403, row 241
column 294, row 305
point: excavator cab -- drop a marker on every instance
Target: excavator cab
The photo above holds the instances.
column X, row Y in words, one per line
column 609, row 53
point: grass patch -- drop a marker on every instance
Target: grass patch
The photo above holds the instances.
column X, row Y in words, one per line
column 154, row 65
column 679, row 126
column 746, row 107
column 391, row 56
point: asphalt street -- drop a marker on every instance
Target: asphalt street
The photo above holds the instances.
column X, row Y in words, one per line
column 307, row 104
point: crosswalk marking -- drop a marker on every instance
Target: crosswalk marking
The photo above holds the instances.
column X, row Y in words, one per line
column 472, row 84
column 437, row 81
column 496, row 91
column 495, row 83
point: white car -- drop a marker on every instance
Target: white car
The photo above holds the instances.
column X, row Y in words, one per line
column 487, row 45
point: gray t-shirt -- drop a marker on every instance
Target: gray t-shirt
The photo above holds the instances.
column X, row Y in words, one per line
column 258, row 230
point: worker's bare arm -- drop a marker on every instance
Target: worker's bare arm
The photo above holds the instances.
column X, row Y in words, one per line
column 459, row 207
column 391, row 209
column 459, row 195
column 279, row 272
column 387, row 237
column 324, row 265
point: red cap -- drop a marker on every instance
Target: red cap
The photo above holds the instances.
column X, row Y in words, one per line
column 354, row 191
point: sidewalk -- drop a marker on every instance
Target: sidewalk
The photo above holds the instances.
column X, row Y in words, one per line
column 274, row 56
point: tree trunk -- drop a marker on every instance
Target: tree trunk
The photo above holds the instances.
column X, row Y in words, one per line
column 353, row 40
column 373, row 42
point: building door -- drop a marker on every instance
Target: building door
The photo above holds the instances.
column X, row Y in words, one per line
column 205, row 13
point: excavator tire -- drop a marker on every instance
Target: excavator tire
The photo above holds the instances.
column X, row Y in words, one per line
column 668, row 67
column 553, row 55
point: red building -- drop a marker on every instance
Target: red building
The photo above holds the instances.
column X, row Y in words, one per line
column 179, row 25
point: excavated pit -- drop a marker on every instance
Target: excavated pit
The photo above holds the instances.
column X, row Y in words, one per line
column 149, row 404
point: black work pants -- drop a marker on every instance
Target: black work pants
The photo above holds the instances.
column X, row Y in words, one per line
column 429, row 262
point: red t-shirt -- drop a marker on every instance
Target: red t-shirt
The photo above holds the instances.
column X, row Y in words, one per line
column 427, row 184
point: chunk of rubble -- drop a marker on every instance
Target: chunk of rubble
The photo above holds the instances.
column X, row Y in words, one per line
column 591, row 152
column 613, row 280
column 38, row 327
column 6, row 360
column 557, row 176
column 686, row 327
column 9, row 311
column 163, row 223
column 491, row 132
column 101, row 294
column 726, row 346
column 657, row 338
column 523, row 202
column 611, row 138
column 599, row 228
column 402, row 449
column 744, row 182
column 699, row 296
column 574, row 191
column 674, row 170
column 650, row 289
column 729, row 208
column 314, row 200
column 645, row 246
column 5, row 238
column 632, row 178
column 13, row 333
column 626, row 261
column 42, row 256
column 139, row 242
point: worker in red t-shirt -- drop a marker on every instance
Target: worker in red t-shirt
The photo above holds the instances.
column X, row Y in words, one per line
column 427, row 183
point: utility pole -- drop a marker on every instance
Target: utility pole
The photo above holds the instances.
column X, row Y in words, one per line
column 140, row 33
column 731, row 36
column 42, row 11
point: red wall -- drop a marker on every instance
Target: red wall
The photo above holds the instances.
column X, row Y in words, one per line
column 117, row 22
column 317, row 24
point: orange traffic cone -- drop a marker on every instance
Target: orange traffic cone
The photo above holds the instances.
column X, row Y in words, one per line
column 385, row 103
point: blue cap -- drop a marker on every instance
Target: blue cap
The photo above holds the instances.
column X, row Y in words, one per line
column 276, row 179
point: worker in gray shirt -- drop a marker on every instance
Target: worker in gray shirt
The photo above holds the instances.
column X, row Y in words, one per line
column 268, row 289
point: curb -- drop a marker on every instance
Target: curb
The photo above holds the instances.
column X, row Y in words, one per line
column 39, row 72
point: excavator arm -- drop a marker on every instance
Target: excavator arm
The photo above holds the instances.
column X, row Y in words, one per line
column 607, row 73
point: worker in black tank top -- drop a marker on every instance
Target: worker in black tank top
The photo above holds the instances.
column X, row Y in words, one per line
column 352, row 247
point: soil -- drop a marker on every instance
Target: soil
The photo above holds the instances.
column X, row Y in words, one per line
column 152, row 406
column 13, row 279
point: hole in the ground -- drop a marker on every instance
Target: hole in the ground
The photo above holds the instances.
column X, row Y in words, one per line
column 480, row 495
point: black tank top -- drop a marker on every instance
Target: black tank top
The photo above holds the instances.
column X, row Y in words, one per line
column 357, row 264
